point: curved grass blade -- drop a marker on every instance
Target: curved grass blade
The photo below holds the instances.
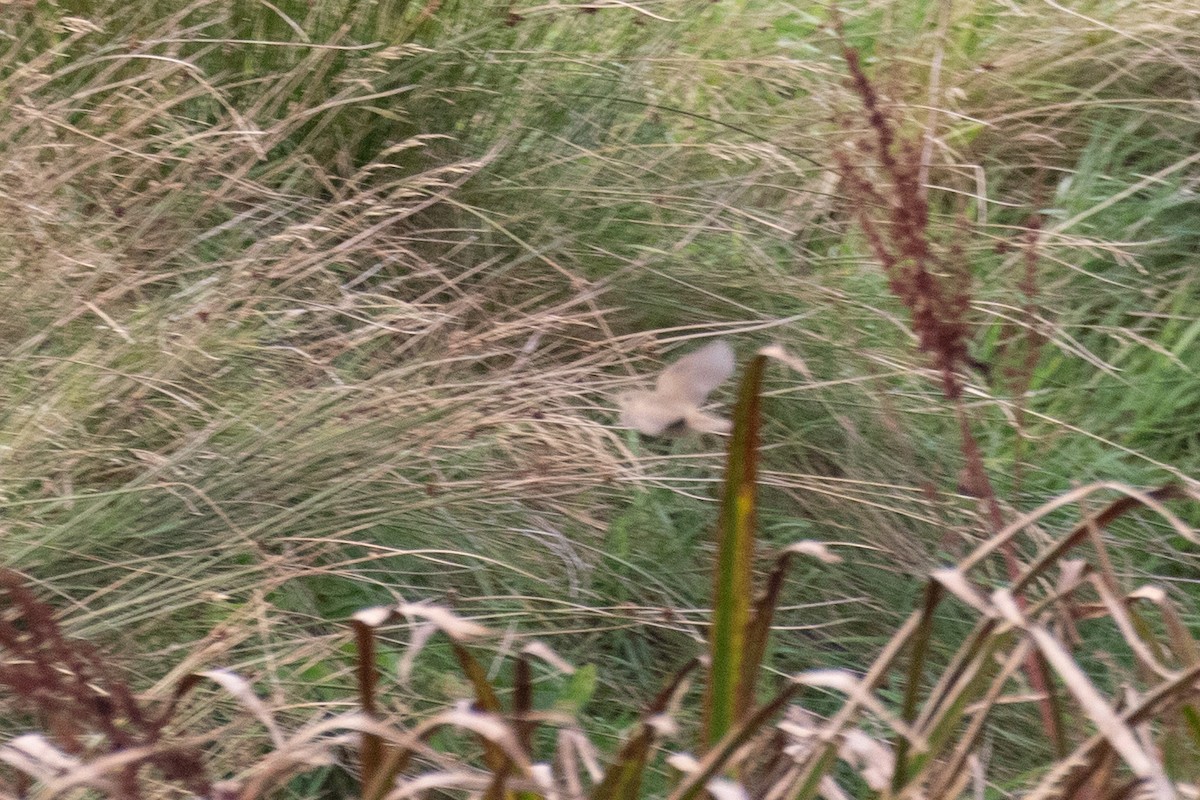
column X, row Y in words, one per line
column 623, row 778
column 747, row 727
column 485, row 700
column 759, row 629
column 916, row 670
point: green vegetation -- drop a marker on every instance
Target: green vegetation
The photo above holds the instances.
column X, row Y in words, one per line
column 311, row 307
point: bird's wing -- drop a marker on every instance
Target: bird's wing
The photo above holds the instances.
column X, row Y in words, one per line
column 692, row 378
column 701, row 422
column 649, row 413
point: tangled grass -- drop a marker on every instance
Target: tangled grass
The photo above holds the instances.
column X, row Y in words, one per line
column 313, row 307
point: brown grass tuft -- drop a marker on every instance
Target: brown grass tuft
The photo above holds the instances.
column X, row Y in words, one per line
column 79, row 697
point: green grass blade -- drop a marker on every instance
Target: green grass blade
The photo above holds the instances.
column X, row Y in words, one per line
column 760, row 627
column 485, row 693
column 486, row 700
column 623, row 778
column 809, row 783
column 733, row 571
column 916, row 671
column 976, row 682
column 750, row 725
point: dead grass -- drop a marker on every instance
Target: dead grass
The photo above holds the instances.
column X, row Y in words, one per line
column 265, row 364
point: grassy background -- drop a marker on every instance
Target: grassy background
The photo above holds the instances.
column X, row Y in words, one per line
column 307, row 306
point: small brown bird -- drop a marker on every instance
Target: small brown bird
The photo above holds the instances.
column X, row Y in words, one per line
column 673, row 406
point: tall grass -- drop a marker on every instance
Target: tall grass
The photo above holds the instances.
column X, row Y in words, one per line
column 306, row 306
column 516, row 739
